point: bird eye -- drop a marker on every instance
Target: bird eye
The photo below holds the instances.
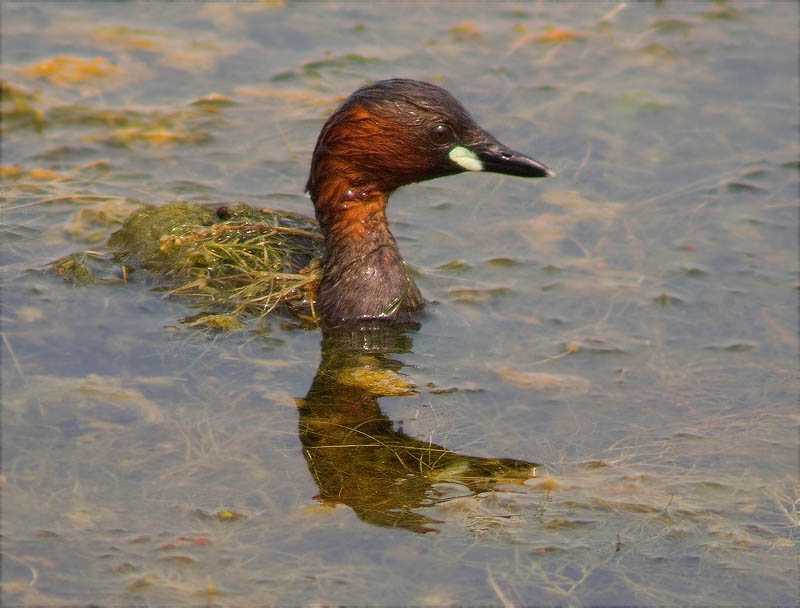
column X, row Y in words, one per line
column 442, row 134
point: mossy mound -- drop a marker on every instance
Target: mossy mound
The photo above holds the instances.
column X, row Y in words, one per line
column 231, row 260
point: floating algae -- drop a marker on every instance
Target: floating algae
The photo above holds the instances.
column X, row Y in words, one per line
column 233, row 260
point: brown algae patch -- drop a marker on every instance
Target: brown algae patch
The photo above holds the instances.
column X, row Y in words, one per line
column 36, row 174
column 103, row 391
column 541, row 381
column 22, row 109
column 194, row 55
column 65, row 70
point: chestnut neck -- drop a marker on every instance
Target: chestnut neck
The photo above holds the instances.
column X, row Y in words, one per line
column 364, row 276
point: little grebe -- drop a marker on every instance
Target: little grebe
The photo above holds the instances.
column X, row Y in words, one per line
column 386, row 135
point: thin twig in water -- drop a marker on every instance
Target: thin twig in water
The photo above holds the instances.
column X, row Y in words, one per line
column 613, row 12
column 17, row 366
column 504, row 600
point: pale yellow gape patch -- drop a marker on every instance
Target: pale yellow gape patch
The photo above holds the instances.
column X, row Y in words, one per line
column 466, row 159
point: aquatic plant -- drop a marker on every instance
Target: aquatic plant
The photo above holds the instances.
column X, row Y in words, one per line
column 231, row 261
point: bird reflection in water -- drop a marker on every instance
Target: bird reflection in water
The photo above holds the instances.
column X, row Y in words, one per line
column 358, row 458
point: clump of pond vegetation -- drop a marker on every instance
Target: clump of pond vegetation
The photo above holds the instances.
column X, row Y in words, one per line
column 231, row 261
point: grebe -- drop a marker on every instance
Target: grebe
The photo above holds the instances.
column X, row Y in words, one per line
column 384, row 136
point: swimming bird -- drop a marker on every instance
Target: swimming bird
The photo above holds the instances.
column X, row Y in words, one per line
column 385, row 135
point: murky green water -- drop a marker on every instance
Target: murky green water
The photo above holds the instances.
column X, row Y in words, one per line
column 629, row 325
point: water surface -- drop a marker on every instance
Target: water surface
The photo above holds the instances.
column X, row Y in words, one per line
column 630, row 325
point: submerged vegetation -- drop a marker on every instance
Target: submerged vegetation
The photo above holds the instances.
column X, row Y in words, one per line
column 231, row 261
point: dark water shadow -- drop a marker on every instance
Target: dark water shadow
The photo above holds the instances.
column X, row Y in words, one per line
column 356, row 455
